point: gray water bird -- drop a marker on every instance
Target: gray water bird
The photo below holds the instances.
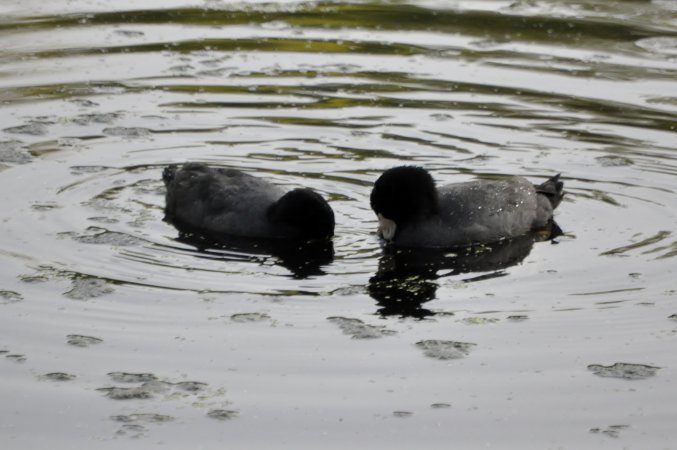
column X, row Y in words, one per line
column 413, row 212
column 231, row 202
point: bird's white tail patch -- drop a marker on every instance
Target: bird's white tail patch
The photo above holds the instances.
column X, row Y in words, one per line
column 386, row 228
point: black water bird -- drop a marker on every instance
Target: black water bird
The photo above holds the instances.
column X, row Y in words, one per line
column 221, row 201
column 413, row 212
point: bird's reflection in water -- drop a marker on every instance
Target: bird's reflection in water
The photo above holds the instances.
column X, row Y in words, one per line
column 302, row 258
column 406, row 277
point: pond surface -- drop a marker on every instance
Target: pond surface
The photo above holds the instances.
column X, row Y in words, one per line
column 118, row 334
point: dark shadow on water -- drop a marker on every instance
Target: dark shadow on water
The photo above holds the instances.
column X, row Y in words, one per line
column 302, row 258
column 406, row 277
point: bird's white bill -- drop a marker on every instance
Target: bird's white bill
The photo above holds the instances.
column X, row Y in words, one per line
column 386, row 228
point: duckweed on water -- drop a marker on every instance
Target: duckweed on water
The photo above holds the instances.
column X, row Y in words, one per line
column 131, row 430
column 151, row 386
column 84, row 288
column 357, row 329
column 191, row 386
column 614, row 161
column 518, row 318
column 16, row 357
column 145, row 391
column 125, row 377
column 128, row 132
column 103, row 118
column 58, row 376
column 107, row 237
column 222, row 414
column 249, row 317
column 626, row 371
column 479, row 320
column 132, row 423
column 142, row 418
column 440, row 405
column 13, row 152
column 32, row 129
column 78, row 340
column 611, row 431
column 444, row 350
column 10, row 297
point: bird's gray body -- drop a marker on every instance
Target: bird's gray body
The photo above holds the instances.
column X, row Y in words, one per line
column 479, row 211
column 221, row 200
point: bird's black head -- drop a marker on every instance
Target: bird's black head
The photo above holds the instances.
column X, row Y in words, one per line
column 303, row 214
column 404, row 194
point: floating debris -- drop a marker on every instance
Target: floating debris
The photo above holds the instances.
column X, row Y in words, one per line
column 105, row 205
column 105, row 118
column 132, row 393
column 670, row 251
column 58, row 376
column 129, row 33
column 249, row 317
column 46, row 206
column 479, row 320
column 150, row 387
column 358, row 329
column 16, row 358
column 191, row 386
column 518, row 318
column 33, row 129
column 34, row 278
column 604, row 197
column 440, row 405
column 222, row 414
column 614, row 161
column 611, row 431
column 441, row 117
column 84, row 288
column 149, row 186
column 78, row 340
column 7, row 297
column 143, row 418
column 103, row 219
column 129, row 132
column 145, row 391
column 445, row 350
column 132, row 430
column 13, row 152
column 44, row 273
column 661, row 235
column 125, row 377
column 81, row 170
column 107, row 237
column 84, row 102
column 626, row 371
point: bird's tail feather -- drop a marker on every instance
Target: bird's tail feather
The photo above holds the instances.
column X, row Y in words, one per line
column 552, row 189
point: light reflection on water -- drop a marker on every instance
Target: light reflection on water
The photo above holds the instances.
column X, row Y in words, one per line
column 94, row 102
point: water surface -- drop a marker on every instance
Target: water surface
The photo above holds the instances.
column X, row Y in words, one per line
column 118, row 333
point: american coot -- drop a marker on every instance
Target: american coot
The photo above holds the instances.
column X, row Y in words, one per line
column 412, row 212
column 231, row 202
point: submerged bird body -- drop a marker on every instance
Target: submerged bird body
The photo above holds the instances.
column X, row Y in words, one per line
column 231, row 202
column 413, row 212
